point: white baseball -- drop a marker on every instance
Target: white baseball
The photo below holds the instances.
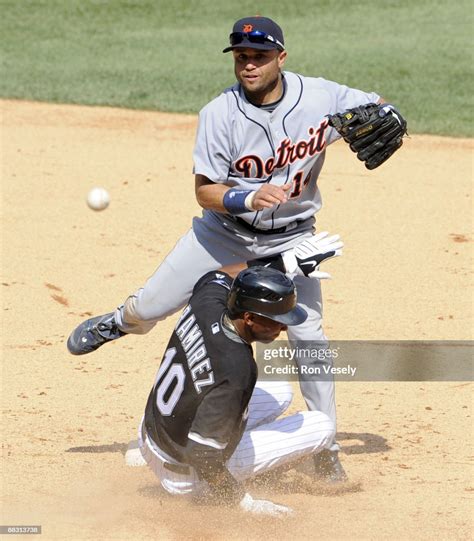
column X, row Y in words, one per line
column 98, row 199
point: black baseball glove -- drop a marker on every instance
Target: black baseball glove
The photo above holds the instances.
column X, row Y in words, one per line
column 373, row 131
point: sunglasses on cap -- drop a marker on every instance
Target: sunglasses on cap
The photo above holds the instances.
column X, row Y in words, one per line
column 254, row 37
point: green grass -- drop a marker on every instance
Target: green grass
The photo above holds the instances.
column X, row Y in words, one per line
column 166, row 54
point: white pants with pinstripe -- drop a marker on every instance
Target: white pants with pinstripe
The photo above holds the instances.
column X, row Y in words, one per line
column 267, row 443
column 212, row 243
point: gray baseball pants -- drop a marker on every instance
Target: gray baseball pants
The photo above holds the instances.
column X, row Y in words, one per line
column 214, row 242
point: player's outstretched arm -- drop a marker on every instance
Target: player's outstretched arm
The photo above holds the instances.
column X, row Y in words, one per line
column 374, row 131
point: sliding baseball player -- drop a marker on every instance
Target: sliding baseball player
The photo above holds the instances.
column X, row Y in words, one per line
column 206, row 427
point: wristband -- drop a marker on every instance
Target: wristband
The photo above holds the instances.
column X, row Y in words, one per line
column 249, row 200
column 238, row 201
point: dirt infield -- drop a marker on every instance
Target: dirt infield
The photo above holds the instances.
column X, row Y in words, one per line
column 406, row 274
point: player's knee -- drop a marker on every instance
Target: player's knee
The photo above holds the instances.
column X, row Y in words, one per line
column 282, row 392
column 286, row 396
column 272, row 396
column 322, row 425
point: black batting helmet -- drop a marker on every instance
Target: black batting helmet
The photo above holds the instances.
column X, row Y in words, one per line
column 266, row 292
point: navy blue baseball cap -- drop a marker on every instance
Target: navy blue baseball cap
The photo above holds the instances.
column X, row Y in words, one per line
column 256, row 33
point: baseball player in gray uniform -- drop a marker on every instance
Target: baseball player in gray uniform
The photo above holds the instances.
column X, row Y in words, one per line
column 259, row 150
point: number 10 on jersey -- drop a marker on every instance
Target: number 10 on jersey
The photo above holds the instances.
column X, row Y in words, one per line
column 174, row 374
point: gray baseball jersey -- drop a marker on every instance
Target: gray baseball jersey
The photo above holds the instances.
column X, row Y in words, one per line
column 246, row 146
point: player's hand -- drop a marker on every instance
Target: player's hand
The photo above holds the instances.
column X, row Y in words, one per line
column 304, row 259
column 269, row 195
column 263, row 507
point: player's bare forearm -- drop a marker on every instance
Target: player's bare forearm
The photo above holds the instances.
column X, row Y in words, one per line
column 210, row 195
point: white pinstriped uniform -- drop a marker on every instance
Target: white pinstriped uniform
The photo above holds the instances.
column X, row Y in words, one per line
column 268, row 442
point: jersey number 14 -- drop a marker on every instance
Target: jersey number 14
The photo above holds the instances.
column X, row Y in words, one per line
column 298, row 184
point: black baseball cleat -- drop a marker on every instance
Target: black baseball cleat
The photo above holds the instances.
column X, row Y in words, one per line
column 93, row 333
column 328, row 467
